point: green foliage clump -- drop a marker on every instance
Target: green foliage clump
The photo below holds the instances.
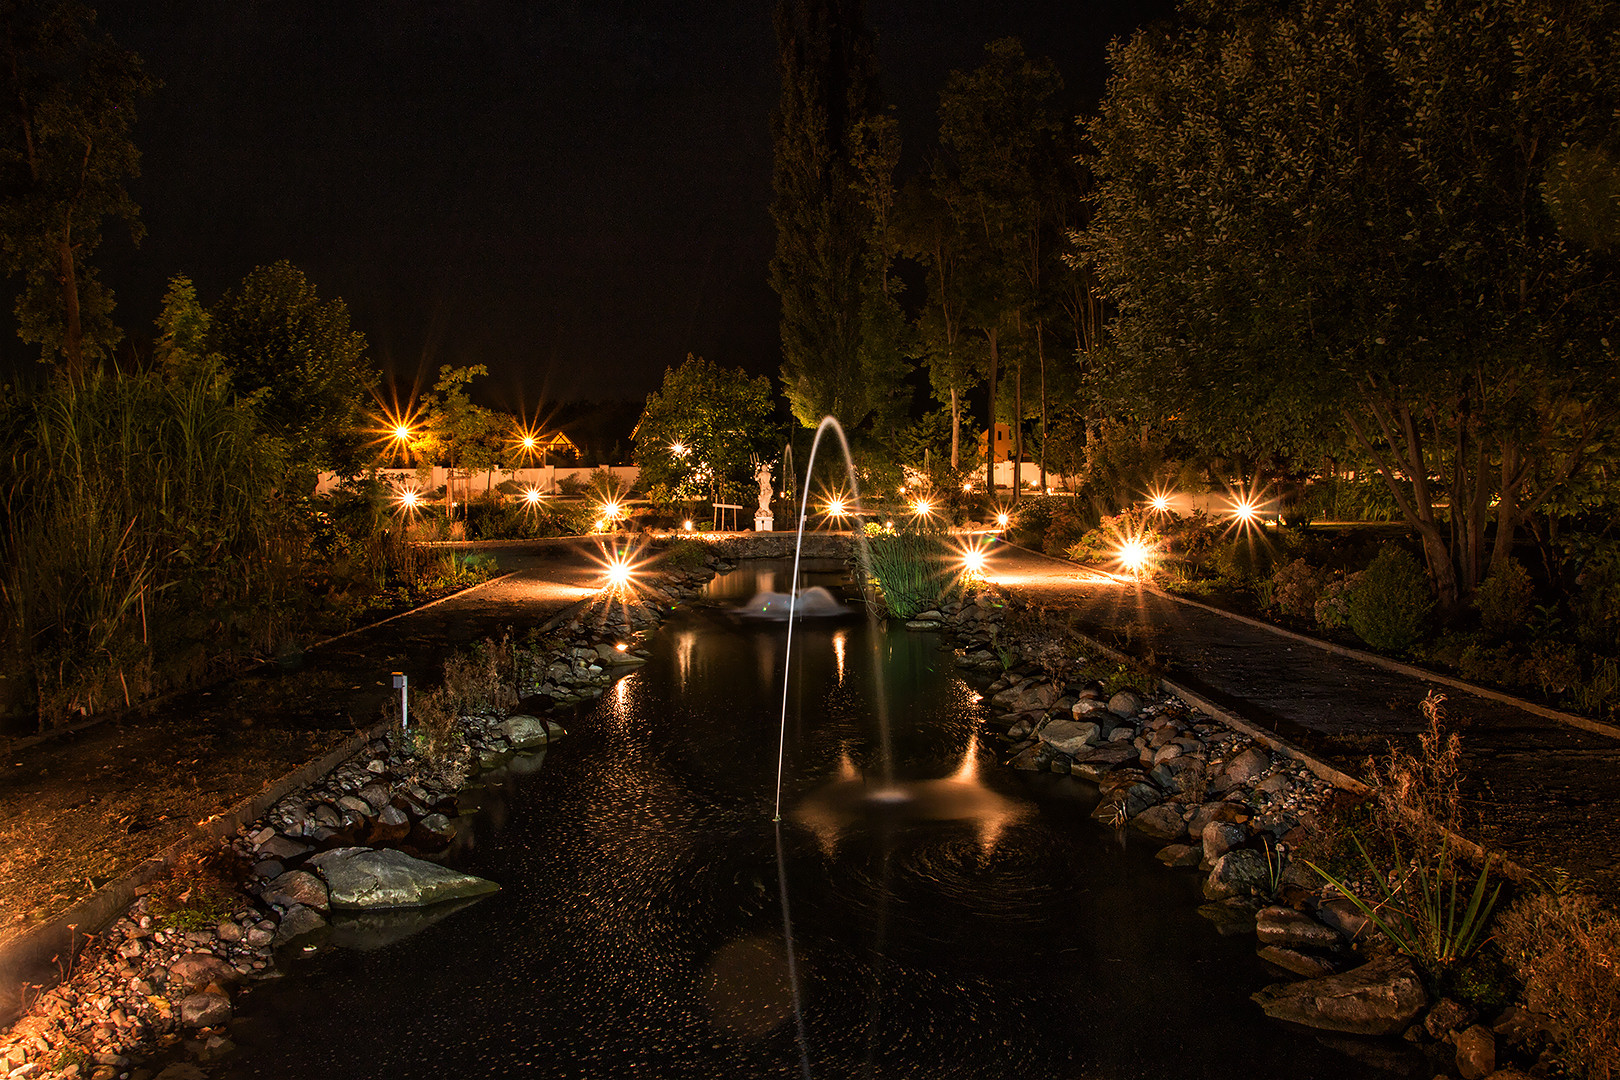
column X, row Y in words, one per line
column 1332, row 609
column 912, row 571
column 1241, row 561
column 684, row 555
column 1390, row 604
column 1504, row 599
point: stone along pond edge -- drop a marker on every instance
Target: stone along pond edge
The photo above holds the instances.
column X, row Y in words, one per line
column 321, row 849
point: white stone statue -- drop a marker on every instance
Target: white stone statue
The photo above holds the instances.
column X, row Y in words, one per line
column 764, row 478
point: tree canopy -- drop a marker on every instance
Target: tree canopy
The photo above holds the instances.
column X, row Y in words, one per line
column 65, row 155
column 1325, row 219
column 298, row 359
column 701, row 431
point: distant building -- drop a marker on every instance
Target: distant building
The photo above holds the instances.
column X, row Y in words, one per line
column 1003, row 443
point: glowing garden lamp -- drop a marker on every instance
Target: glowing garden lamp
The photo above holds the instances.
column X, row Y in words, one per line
column 1001, row 520
column 528, row 443
column 686, row 525
column 1245, row 512
column 678, row 449
column 922, row 508
column 973, row 561
column 1160, row 503
column 402, row 433
column 619, row 572
column 410, row 499
column 532, row 496
column 1133, row 554
column 836, row 507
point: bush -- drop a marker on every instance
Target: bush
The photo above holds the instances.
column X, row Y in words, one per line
column 1504, row 599
column 1332, row 609
column 1295, row 589
column 1241, row 561
column 1565, row 949
column 1390, row 604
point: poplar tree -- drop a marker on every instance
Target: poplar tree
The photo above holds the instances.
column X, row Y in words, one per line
column 834, row 158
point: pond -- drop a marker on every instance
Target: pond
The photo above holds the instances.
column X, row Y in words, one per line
column 981, row 927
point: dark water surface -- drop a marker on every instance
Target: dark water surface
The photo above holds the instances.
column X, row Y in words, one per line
column 983, row 927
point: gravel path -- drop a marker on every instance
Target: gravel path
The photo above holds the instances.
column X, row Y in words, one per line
column 1544, row 792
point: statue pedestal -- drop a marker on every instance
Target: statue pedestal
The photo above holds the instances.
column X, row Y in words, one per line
column 763, row 522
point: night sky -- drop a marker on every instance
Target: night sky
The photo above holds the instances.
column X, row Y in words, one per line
column 574, row 194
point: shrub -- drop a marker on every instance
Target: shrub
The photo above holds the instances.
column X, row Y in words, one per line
column 1332, row 608
column 1390, row 604
column 1504, row 599
column 1241, row 561
column 1565, row 949
column 1295, row 589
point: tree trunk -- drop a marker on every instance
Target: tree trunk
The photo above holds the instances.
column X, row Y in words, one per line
column 990, row 436
column 956, row 431
column 73, row 332
column 1018, row 431
column 1040, row 352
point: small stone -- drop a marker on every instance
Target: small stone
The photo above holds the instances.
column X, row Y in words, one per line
column 298, row 922
column 281, row 847
column 1294, row 961
column 297, row 887
column 1125, row 704
column 1069, row 736
column 1476, row 1052
column 1162, row 823
column 1381, row 997
column 1242, row 769
column 228, row 932
column 1238, row 873
column 204, row 1010
column 1219, row 837
column 1178, row 856
column 1291, row 929
column 200, row 969
column 1448, row 1016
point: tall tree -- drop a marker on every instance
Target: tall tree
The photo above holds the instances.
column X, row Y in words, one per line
column 933, row 237
column 299, row 359
column 65, row 154
column 832, row 144
column 1331, row 215
column 1004, row 141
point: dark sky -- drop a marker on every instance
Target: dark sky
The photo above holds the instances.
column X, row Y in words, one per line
column 573, row 193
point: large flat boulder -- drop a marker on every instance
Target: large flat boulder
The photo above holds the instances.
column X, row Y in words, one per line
column 1381, row 997
column 360, row 879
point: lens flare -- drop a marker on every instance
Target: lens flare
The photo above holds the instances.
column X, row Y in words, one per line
column 1160, row 502
column 1133, row 554
column 687, row 525
column 922, row 508
column 1245, row 511
column 836, row 507
column 1001, row 521
column 619, row 572
column 678, row 449
column 532, row 496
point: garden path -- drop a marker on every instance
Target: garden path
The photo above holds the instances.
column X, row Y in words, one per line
column 1543, row 791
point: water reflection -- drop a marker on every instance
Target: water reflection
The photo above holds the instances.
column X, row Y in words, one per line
column 850, row 801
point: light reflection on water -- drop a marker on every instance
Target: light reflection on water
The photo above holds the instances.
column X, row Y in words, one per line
column 980, row 927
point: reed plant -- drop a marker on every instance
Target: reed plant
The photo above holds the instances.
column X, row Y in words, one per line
column 912, row 571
